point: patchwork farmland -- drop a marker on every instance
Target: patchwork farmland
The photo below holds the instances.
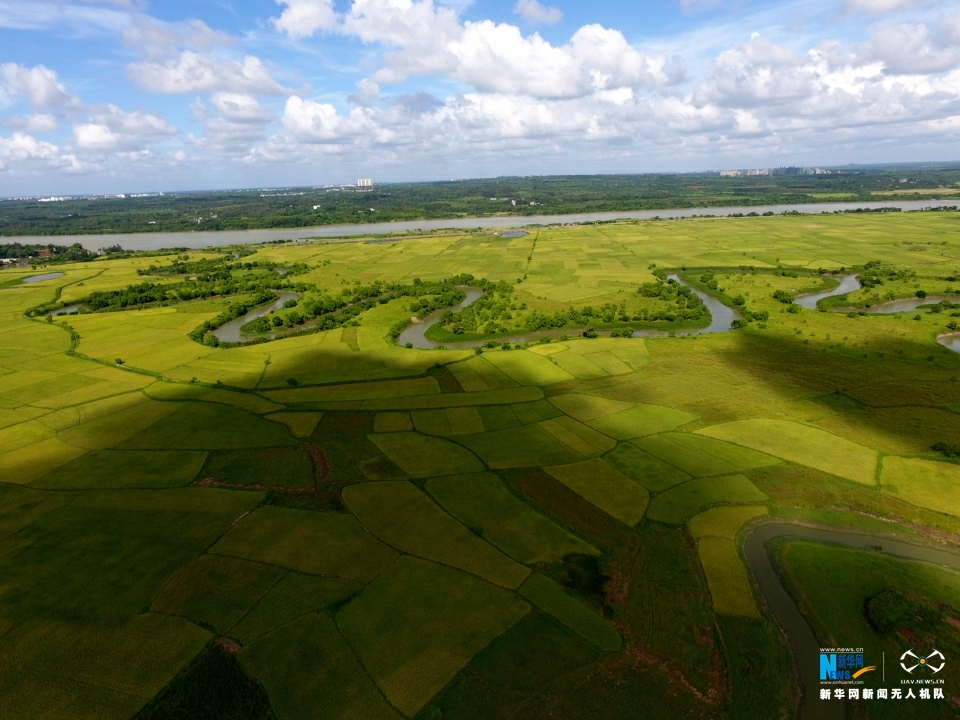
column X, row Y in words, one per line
column 319, row 522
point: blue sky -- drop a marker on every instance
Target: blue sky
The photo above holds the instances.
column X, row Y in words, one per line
column 136, row 96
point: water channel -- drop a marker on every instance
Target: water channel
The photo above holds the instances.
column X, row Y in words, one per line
column 802, row 640
column 721, row 320
column 848, row 283
column 220, row 238
column 230, row 332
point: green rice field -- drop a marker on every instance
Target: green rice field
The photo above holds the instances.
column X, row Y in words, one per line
column 340, row 527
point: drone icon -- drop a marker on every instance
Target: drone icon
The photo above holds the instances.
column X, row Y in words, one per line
column 930, row 661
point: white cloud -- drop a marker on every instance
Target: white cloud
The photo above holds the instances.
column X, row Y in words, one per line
column 313, row 122
column 35, row 122
column 368, row 92
column 39, row 85
column 303, row 18
column 535, row 13
column 191, row 72
column 877, row 6
column 110, row 129
column 156, row 38
column 96, row 136
column 240, row 108
column 21, row 154
column 498, row 57
column 912, row 49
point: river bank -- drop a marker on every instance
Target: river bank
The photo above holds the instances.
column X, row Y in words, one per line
column 202, row 239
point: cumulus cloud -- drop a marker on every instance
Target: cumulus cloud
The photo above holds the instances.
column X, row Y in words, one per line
column 21, row 153
column 39, row 85
column 303, row 18
column 313, row 122
column 498, row 57
column 240, row 108
column 191, row 72
column 911, row 49
column 110, row 129
column 535, row 13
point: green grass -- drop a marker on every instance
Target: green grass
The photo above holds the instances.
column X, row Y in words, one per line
column 467, row 420
column 723, row 522
column 524, row 446
column 500, row 417
column 527, row 368
column 432, row 422
column 209, row 426
column 212, row 686
column 611, row 491
column 578, row 437
column 216, row 591
column 421, row 456
column 419, row 623
column 516, row 670
column 301, row 424
column 700, row 455
column 482, row 503
column 588, row 407
column 681, row 502
column 504, row 396
column 655, row 475
column 925, row 483
column 50, row 668
column 306, row 664
column 550, row 597
column 125, row 469
column 294, row 596
column 836, row 586
column 801, row 444
column 283, row 467
column 726, row 575
column 640, row 420
column 392, row 422
column 405, row 518
column 309, row 542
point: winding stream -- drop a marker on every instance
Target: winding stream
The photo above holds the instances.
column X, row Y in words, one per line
column 721, row 320
column 230, row 332
column 803, row 642
column 848, row 283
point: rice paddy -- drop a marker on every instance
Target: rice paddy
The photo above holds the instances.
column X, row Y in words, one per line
column 545, row 528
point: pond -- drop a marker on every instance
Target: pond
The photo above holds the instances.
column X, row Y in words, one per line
column 848, row 283
column 230, row 332
column 721, row 320
column 41, row 278
column 803, row 642
column 66, row 310
column 514, row 234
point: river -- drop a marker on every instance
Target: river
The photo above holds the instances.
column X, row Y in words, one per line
column 213, row 238
column 803, row 642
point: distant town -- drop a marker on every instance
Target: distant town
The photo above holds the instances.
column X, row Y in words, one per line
column 780, row 171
